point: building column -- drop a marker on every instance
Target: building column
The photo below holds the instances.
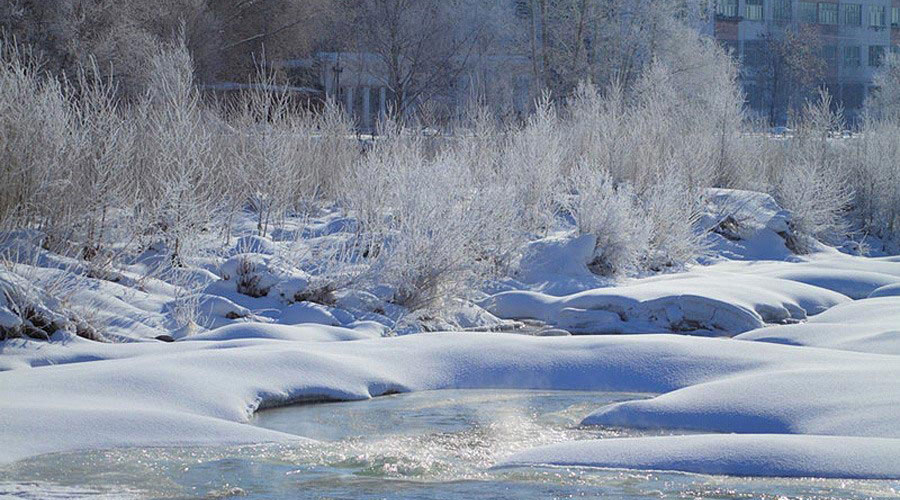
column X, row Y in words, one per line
column 348, row 105
column 366, row 108
column 382, row 103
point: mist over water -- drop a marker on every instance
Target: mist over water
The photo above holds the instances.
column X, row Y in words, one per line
column 439, row 445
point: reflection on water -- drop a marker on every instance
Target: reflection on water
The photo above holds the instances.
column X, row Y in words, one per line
column 437, row 445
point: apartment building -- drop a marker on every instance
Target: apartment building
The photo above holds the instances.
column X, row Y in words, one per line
column 853, row 37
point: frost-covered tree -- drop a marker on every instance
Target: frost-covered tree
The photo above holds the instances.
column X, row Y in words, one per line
column 597, row 40
column 422, row 46
column 884, row 102
column 788, row 69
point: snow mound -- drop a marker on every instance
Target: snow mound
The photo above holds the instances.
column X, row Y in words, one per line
column 886, row 291
column 794, row 399
column 765, row 455
column 869, row 325
column 256, row 275
column 752, row 209
column 856, row 277
column 721, row 304
column 253, row 244
column 309, row 333
column 307, row 312
column 853, row 283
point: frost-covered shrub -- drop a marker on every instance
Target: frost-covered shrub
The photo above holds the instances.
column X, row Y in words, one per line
column 883, row 103
column 418, row 225
column 673, row 209
column 873, row 157
column 332, row 153
column 64, row 147
column 178, row 162
column 812, row 182
column 817, row 203
column 38, row 134
column 874, row 164
column 686, row 108
column 270, row 142
column 533, row 163
column 614, row 215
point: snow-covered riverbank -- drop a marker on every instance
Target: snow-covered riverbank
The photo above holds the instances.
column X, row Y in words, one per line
column 205, row 390
column 798, row 356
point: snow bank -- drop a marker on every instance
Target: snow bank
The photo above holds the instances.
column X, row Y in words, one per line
column 850, row 397
column 719, row 303
column 855, row 277
column 870, row 325
column 768, row 455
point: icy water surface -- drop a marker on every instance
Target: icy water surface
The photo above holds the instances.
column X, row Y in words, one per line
column 430, row 445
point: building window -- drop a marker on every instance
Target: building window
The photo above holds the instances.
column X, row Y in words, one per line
column 876, row 55
column 895, row 17
column 852, row 56
column 754, row 10
column 807, row 12
column 828, row 13
column 851, row 14
column 829, row 53
column 876, row 16
column 523, row 9
column 727, row 8
column 782, row 10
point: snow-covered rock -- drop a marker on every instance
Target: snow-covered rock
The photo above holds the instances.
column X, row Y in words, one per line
column 557, row 264
column 724, row 304
column 28, row 311
column 767, row 455
column 746, row 225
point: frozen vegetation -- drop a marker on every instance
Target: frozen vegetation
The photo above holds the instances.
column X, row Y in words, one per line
column 171, row 266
